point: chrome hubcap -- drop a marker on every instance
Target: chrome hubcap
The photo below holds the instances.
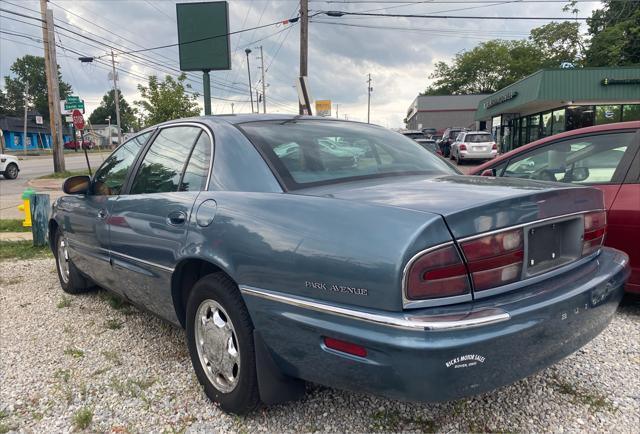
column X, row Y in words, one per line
column 217, row 346
column 63, row 260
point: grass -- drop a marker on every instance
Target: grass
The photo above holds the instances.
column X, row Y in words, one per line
column 392, row 420
column 595, row 401
column 21, row 250
column 113, row 357
column 74, row 352
column 12, row 225
column 65, row 174
column 114, row 301
column 64, row 302
column 82, row 418
column 113, row 324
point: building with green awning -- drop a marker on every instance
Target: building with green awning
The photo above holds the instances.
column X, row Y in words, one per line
column 551, row 101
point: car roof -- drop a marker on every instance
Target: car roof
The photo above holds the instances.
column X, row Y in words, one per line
column 567, row 134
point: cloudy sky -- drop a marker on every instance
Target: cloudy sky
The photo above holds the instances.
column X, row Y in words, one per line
column 399, row 53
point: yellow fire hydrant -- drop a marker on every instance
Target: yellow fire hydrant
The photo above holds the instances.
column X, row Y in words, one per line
column 26, row 207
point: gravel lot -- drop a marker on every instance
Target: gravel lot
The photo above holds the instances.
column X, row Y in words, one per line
column 68, row 362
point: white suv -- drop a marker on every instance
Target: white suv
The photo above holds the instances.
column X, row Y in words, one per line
column 9, row 166
column 473, row 145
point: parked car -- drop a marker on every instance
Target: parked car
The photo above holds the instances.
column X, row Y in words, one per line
column 75, row 144
column 605, row 157
column 397, row 276
column 428, row 144
column 448, row 137
column 413, row 134
column 9, row 166
column 473, row 145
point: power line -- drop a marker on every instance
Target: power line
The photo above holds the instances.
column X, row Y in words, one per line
column 465, row 17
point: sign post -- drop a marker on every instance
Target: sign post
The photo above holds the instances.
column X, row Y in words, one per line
column 78, row 124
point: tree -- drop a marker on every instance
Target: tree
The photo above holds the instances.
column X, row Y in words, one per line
column 107, row 108
column 166, row 100
column 486, row 68
column 615, row 34
column 30, row 69
column 559, row 42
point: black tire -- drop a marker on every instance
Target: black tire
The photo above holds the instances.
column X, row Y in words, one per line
column 11, row 171
column 244, row 396
column 74, row 282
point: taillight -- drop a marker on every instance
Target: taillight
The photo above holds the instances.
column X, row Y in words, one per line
column 462, row 147
column 439, row 273
column 345, row 347
column 595, row 228
column 494, row 147
column 495, row 260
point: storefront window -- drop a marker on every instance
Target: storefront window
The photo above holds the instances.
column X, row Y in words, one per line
column 579, row 117
column 546, row 124
column 523, row 131
column 534, row 128
column 607, row 114
column 558, row 121
column 631, row 112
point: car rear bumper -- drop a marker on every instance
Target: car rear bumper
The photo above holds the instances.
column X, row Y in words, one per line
column 478, row 155
column 521, row 333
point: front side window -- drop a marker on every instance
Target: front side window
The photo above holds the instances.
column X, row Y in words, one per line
column 110, row 177
column 163, row 164
column 308, row 152
column 585, row 160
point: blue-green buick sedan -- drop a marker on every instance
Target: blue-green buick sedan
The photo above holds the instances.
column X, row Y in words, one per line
column 297, row 249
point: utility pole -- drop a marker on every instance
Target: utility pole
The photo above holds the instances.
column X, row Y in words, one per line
column 232, row 108
column 26, row 107
column 53, row 87
column 369, row 89
column 248, row 51
column 264, row 90
column 337, row 112
column 116, row 95
column 304, row 42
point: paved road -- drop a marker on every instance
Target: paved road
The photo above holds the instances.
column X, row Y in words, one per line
column 34, row 167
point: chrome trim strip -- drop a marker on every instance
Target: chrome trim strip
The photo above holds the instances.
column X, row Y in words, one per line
column 142, row 261
column 204, row 127
column 522, row 225
column 418, row 322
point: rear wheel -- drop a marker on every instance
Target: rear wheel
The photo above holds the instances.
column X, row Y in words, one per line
column 220, row 340
column 71, row 280
column 11, row 171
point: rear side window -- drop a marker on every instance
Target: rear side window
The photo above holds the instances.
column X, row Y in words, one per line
column 164, row 162
column 110, row 177
column 597, row 159
column 195, row 175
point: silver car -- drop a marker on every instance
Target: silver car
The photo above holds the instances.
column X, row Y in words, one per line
column 473, row 145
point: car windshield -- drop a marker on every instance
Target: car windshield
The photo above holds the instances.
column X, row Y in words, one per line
column 311, row 152
column 477, row 138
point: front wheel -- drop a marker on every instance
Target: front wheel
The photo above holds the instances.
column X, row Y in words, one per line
column 11, row 171
column 220, row 340
column 71, row 280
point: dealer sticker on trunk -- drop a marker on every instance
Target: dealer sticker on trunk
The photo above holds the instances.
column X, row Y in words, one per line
column 466, row 361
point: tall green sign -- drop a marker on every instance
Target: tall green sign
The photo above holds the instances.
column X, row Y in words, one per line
column 203, row 35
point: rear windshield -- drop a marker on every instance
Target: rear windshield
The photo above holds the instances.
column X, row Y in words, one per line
column 477, row 138
column 414, row 135
column 304, row 153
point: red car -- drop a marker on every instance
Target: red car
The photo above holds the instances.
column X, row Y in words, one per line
column 75, row 144
column 606, row 157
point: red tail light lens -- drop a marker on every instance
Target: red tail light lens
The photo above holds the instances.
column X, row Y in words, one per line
column 494, row 147
column 439, row 273
column 495, row 260
column 595, row 229
column 462, row 147
column 345, row 347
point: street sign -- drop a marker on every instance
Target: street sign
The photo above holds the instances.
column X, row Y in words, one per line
column 323, row 107
column 68, row 119
column 78, row 120
column 39, row 120
column 72, row 98
column 74, row 106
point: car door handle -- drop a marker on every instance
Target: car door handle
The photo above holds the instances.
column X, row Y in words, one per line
column 177, row 218
column 102, row 214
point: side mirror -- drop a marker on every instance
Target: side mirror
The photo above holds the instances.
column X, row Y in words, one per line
column 579, row 174
column 76, row 184
column 488, row 172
